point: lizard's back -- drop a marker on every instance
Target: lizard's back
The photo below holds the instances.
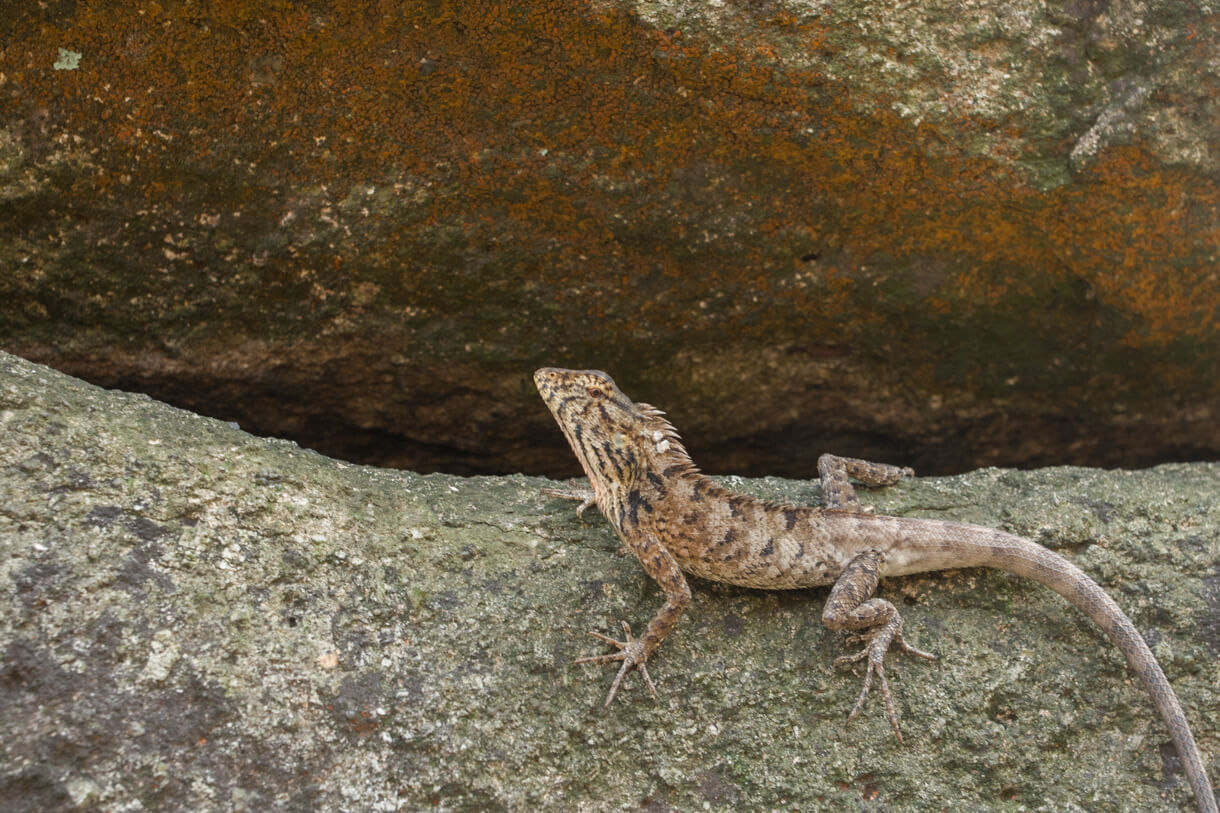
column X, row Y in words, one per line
column 726, row 537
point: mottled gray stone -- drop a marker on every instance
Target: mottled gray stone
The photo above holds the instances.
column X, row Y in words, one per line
column 193, row 618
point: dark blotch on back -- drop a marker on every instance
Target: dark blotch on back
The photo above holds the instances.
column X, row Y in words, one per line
column 735, row 506
column 636, row 501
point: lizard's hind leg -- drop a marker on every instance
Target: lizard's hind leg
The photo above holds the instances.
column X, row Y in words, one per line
column 834, row 472
column 851, row 608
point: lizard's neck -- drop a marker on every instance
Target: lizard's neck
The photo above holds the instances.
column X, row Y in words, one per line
column 636, row 457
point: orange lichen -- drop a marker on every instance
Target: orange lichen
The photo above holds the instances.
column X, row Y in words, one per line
column 605, row 158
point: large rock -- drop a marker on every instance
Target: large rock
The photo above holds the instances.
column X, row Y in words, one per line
column 801, row 226
column 197, row 619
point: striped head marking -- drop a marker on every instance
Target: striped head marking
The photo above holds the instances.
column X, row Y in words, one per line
column 616, row 440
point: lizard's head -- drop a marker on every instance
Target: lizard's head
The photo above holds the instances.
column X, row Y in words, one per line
column 615, row 438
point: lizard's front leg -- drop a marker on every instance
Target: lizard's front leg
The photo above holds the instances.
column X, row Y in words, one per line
column 584, row 496
column 850, row 607
column 634, row 652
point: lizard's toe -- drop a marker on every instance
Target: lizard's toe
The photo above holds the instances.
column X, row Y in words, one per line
column 631, row 653
column 876, row 644
column 877, row 668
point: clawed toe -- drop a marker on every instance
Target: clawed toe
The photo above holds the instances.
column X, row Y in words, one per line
column 584, row 496
column 878, row 669
column 631, row 653
column 910, row 650
column 874, row 650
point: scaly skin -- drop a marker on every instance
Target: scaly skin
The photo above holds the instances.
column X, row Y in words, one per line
column 675, row 519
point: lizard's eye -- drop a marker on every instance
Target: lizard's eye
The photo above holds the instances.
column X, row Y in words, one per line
column 594, row 392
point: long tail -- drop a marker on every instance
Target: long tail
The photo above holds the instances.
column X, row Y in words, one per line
column 919, row 545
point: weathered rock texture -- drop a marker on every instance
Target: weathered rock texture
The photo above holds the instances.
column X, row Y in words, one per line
column 870, row 228
column 192, row 618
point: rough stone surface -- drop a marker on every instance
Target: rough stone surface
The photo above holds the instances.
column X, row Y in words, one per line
column 887, row 225
column 193, row 618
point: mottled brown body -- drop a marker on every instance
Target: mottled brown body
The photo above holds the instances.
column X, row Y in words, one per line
column 675, row 519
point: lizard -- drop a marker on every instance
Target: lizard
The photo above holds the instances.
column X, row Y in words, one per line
column 675, row 519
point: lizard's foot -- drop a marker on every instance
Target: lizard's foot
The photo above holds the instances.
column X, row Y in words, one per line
column 879, row 474
column 631, row 653
column 584, row 495
column 876, row 645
